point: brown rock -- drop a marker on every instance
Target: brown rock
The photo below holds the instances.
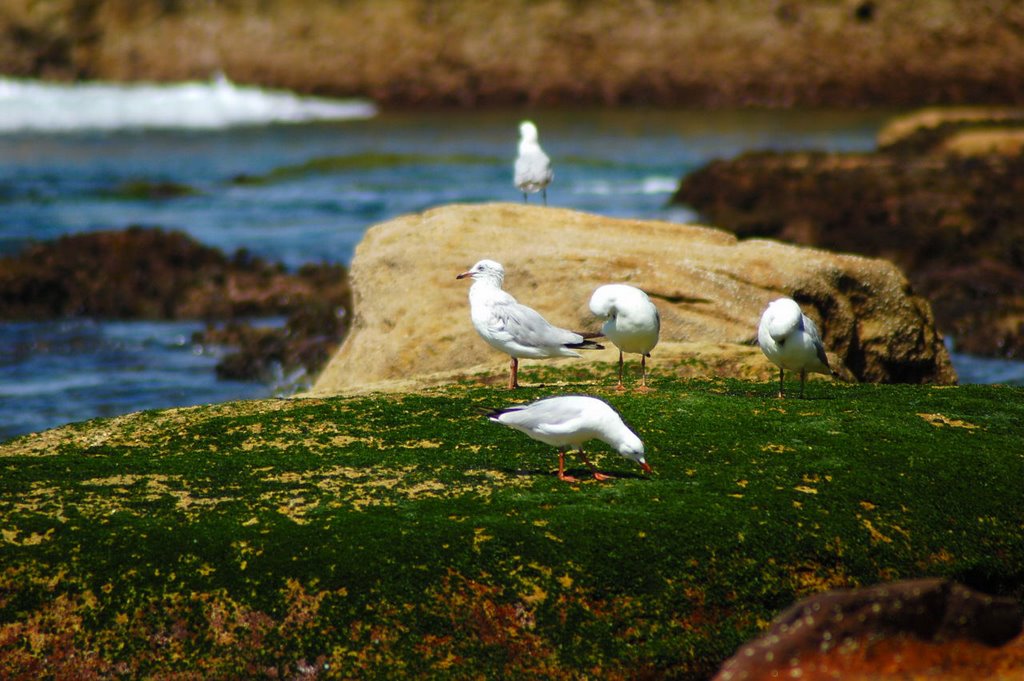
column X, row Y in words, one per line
column 412, row 316
column 783, row 53
column 143, row 273
column 951, row 217
column 927, row 628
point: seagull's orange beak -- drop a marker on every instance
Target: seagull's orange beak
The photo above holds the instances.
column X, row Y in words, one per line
column 647, row 467
column 463, row 275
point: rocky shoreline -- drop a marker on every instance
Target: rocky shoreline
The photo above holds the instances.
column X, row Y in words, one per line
column 943, row 199
column 789, row 53
column 150, row 273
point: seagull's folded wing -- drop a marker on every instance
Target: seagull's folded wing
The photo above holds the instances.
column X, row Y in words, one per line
column 526, row 326
column 547, row 417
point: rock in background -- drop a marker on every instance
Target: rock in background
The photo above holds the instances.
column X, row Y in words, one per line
column 943, row 198
column 147, row 273
column 411, row 316
column 422, row 52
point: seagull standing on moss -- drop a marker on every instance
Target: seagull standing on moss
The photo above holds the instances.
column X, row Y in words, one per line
column 533, row 167
column 567, row 422
column 633, row 323
column 517, row 330
column 790, row 339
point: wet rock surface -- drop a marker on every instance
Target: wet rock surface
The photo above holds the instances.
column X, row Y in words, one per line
column 953, row 220
column 912, row 629
column 147, row 273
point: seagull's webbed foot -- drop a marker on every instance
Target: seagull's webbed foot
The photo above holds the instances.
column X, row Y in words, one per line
column 593, row 468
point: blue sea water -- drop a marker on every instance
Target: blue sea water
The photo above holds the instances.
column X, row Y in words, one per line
column 318, row 173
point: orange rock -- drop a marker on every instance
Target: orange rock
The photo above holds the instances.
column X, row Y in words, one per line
column 920, row 629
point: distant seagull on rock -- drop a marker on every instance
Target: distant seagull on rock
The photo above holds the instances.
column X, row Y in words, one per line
column 533, row 167
column 517, row 330
column 791, row 340
column 567, row 422
column 633, row 323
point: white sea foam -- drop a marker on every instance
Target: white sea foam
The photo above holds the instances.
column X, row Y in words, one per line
column 648, row 185
column 36, row 106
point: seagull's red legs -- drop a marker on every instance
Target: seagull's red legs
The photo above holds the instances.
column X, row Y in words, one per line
column 561, row 469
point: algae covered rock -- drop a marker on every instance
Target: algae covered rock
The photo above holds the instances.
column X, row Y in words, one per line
column 151, row 273
column 411, row 317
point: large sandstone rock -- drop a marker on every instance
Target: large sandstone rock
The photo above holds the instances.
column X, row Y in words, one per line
column 412, row 316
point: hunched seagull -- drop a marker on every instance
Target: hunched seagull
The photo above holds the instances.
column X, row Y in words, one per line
column 533, row 167
column 633, row 323
column 517, row 330
column 790, row 339
column 567, row 422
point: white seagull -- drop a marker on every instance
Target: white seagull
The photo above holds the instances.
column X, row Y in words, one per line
column 515, row 329
column 791, row 340
column 569, row 421
column 633, row 322
column 533, row 167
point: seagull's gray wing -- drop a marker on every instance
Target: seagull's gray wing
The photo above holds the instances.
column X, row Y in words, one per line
column 811, row 329
column 526, row 326
column 545, row 417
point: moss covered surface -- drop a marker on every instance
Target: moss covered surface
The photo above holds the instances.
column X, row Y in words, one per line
column 405, row 535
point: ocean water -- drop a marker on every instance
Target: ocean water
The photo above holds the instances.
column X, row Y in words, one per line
column 299, row 180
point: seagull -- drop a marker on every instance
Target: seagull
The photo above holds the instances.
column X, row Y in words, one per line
column 533, row 167
column 516, row 330
column 632, row 322
column 567, row 422
column 791, row 340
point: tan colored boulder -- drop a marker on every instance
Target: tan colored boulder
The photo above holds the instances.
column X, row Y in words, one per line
column 411, row 316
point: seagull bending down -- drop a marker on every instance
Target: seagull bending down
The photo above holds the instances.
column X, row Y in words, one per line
column 633, row 323
column 533, row 167
column 791, row 340
column 517, row 330
column 569, row 421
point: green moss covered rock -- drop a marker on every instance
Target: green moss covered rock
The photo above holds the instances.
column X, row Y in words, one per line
column 382, row 536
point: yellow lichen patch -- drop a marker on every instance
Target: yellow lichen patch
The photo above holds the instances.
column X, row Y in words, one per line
column 817, row 578
column 479, row 537
column 867, row 506
column 776, row 449
column 876, row 536
column 114, row 481
column 804, row 489
column 420, row 444
column 296, row 508
column 10, row 535
column 939, row 420
column 427, row 488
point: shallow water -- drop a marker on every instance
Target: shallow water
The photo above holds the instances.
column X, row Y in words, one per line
column 305, row 192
